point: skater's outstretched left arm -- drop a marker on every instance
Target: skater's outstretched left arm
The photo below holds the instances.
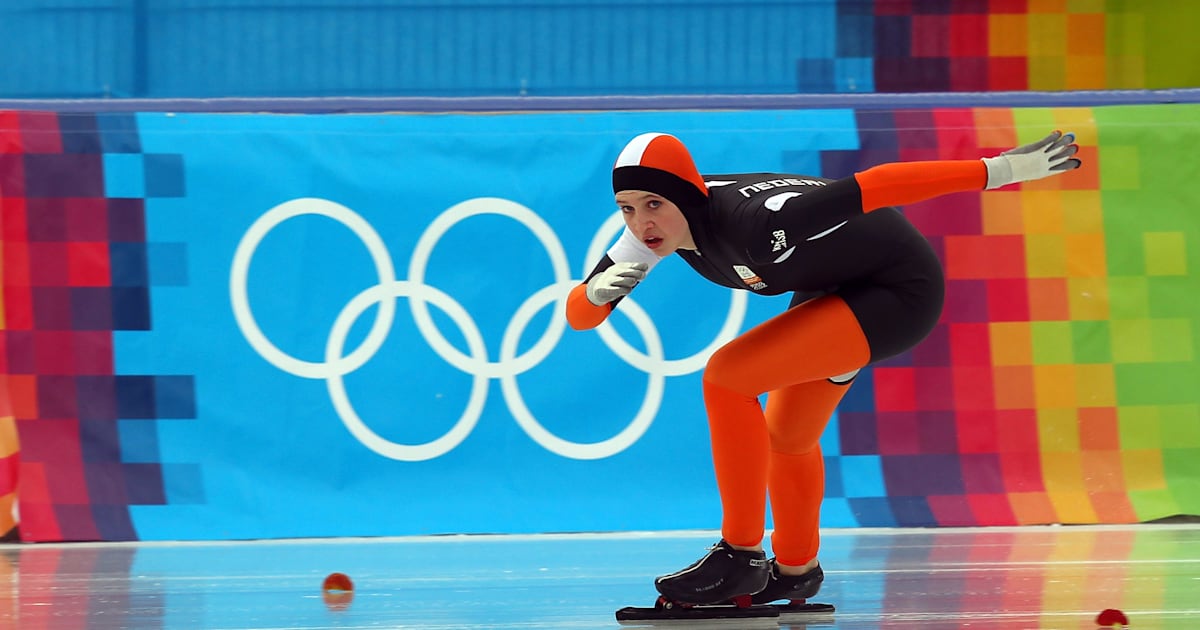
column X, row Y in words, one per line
column 900, row 183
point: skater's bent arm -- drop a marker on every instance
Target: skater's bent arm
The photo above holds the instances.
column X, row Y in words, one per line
column 590, row 303
column 581, row 313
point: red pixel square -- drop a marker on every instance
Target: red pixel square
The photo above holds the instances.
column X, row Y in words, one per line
column 1008, row 74
column 48, row 264
column 1008, row 299
column 970, row 345
column 968, row 35
column 895, row 389
column 973, row 388
column 992, row 509
column 898, row 433
column 88, row 265
column 54, row 352
column 86, row 219
column 39, row 132
column 976, row 431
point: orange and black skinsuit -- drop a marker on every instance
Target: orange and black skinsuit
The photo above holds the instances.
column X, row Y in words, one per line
column 867, row 286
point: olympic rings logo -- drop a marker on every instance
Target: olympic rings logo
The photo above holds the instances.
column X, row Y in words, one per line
column 509, row 365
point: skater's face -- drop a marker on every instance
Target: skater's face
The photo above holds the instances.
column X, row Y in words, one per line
column 659, row 223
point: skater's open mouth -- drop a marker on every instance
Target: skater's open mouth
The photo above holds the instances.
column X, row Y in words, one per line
column 652, row 241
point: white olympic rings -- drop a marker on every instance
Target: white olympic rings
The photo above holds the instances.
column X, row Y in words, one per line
column 509, row 364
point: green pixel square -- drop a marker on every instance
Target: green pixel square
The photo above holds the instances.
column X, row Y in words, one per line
column 1052, row 343
column 1131, row 340
column 1171, row 340
column 1152, row 504
column 1085, row 6
column 1179, row 466
column 1129, row 297
column 1165, row 253
column 1033, row 123
column 1091, row 342
column 1119, row 168
column 1180, row 425
column 1156, row 383
column 1138, row 427
column 1173, row 296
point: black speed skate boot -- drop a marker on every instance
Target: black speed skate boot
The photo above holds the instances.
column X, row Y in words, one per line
column 796, row 588
column 723, row 575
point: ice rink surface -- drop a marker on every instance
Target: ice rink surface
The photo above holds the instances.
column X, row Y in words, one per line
column 1028, row 577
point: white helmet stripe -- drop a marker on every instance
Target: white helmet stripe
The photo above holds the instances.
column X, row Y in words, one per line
column 632, row 155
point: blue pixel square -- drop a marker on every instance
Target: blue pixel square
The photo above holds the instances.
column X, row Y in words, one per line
column 99, row 443
column 183, row 483
column 139, row 441
column 831, row 439
column 833, row 477
column 79, row 133
column 814, row 75
column 127, row 264
column 131, row 308
column 113, row 522
column 135, row 397
column 861, row 397
column 862, row 476
column 924, row 475
column 164, row 175
column 96, row 397
column 168, row 264
column 836, row 512
column 855, row 33
column 124, row 175
column 175, row 397
column 873, row 512
column 893, row 37
column 912, row 512
column 144, row 484
column 854, row 74
column 119, row 133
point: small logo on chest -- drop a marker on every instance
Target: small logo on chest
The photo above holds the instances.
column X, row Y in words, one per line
column 778, row 240
column 749, row 277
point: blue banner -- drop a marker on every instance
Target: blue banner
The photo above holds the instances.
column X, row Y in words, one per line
column 370, row 310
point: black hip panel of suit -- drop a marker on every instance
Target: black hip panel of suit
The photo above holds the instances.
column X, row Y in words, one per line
column 774, row 234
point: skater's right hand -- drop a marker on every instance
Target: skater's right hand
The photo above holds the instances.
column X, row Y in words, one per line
column 614, row 282
column 1048, row 156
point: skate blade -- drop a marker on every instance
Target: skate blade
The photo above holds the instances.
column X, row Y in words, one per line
column 803, row 615
column 716, row 616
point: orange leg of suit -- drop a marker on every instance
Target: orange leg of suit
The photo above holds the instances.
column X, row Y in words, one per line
column 790, row 357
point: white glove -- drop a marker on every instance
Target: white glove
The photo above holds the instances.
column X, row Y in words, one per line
column 1046, row 157
column 614, row 282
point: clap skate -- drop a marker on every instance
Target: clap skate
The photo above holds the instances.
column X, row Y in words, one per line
column 796, row 589
column 716, row 587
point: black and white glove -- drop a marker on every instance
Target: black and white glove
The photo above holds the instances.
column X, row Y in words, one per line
column 614, row 282
column 1049, row 156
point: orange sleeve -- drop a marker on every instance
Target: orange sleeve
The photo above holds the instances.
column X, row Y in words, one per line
column 581, row 313
column 900, row 183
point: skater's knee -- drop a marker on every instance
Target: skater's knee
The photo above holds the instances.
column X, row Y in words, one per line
column 726, row 369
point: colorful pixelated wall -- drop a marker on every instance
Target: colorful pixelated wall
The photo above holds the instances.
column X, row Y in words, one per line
column 1000, row 45
column 188, row 347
